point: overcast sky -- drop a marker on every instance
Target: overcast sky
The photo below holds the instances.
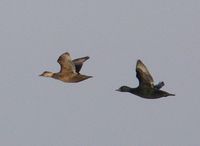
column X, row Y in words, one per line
column 37, row 111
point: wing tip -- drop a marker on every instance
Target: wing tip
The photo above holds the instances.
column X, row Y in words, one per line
column 87, row 57
column 139, row 62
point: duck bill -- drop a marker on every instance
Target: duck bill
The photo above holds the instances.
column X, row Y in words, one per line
column 40, row 75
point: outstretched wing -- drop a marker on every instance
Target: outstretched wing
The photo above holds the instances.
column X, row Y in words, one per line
column 159, row 85
column 66, row 64
column 79, row 63
column 143, row 75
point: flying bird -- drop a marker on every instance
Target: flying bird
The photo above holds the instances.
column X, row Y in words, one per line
column 69, row 69
column 146, row 88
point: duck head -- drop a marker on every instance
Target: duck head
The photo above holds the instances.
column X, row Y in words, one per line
column 124, row 89
column 47, row 74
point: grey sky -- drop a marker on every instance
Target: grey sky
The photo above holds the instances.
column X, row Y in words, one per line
column 37, row 111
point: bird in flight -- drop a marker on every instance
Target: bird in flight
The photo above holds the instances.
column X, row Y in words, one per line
column 146, row 88
column 69, row 69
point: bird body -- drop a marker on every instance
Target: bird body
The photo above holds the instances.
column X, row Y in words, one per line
column 146, row 88
column 69, row 69
column 73, row 78
column 149, row 93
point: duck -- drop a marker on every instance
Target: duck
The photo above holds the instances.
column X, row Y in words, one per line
column 146, row 88
column 69, row 69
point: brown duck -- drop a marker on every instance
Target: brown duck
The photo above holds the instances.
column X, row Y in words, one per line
column 69, row 69
column 146, row 88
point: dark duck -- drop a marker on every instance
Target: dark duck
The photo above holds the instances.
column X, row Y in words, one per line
column 146, row 88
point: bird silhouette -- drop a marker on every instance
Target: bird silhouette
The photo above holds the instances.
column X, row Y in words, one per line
column 146, row 88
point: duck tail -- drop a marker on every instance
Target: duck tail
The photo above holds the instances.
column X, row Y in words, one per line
column 171, row 94
column 89, row 77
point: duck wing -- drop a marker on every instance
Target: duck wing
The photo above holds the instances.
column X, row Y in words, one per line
column 79, row 63
column 143, row 75
column 159, row 85
column 66, row 64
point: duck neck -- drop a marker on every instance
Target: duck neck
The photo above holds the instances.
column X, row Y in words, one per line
column 55, row 75
column 134, row 91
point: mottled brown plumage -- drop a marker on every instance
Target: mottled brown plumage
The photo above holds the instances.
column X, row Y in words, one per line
column 69, row 69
